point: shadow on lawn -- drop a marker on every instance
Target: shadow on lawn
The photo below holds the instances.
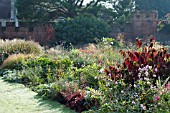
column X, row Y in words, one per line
column 53, row 105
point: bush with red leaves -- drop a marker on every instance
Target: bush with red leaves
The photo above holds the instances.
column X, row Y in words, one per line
column 159, row 59
column 76, row 102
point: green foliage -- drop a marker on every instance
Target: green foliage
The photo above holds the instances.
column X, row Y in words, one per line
column 82, row 29
column 33, row 10
column 11, row 76
column 162, row 6
column 123, row 10
column 39, row 61
column 110, row 41
column 164, row 28
column 40, row 70
column 87, row 76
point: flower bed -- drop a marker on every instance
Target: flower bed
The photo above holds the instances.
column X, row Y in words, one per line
column 99, row 78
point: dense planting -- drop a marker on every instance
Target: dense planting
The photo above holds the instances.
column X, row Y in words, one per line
column 98, row 78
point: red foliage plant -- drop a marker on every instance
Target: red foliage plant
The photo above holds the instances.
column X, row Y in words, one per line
column 76, row 101
column 159, row 59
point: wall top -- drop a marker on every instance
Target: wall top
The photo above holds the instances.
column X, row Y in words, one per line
column 143, row 15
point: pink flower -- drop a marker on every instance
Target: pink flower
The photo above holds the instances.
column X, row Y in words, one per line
column 156, row 98
column 168, row 87
column 156, row 70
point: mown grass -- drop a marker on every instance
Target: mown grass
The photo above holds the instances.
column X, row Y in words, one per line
column 16, row 98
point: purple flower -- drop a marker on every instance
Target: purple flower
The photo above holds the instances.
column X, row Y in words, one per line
column 100, row 71
column 109, row 74
column 141, row 105
column 156, row 70
column 133, row 102
column 150, row 109
column 156, row 98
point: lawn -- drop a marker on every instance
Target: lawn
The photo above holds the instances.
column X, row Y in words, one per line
column 16, row 98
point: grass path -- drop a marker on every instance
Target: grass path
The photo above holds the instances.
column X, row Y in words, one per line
column 15, row 98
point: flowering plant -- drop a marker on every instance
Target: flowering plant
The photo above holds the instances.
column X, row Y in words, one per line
column 155, row 62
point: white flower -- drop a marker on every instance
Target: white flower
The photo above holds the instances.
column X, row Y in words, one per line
column 144, row 107
column 146, row 73
column 139, row 75
column 154, row 75
column 135, row 85
column 150, row 67
column 148, row 83
column 140, row 69
column 141, row 105
column 146, row 78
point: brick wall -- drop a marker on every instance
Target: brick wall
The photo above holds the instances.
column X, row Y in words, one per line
column 42, row 33
column 144, row 23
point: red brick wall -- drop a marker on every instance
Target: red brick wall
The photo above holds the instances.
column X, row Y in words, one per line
column 42, row 33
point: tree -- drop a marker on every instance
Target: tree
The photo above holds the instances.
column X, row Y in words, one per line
column 82, row 29
column 162, row 6
column 123, row 10
column 47, row 10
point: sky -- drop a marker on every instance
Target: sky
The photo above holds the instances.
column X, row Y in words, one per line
column 86, row 1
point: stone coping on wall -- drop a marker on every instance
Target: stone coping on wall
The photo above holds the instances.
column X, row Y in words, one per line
column 23, row 24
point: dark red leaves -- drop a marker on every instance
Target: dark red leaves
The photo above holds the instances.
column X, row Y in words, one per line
column 122, row 53
column 138, row 43
column 152, row 39
column 157, row 58
column 76, row 102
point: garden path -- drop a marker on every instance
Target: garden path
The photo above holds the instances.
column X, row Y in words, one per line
column 16, row 98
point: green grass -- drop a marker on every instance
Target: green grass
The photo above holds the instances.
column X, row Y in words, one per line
column 15, row 98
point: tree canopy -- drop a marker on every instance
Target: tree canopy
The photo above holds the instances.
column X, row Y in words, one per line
column 123, row 10
column 49, row 10
column 81, row 29
column 42, row 10
column 162, row 6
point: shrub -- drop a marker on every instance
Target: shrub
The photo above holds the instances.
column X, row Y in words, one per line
column 82, row 29
column 20, row 46
column 41, row 70
column 15, row 61
column 17, row 46
column 164, row 28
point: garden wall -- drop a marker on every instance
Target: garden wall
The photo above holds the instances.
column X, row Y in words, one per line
column 42, row 33
column 163, row 39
